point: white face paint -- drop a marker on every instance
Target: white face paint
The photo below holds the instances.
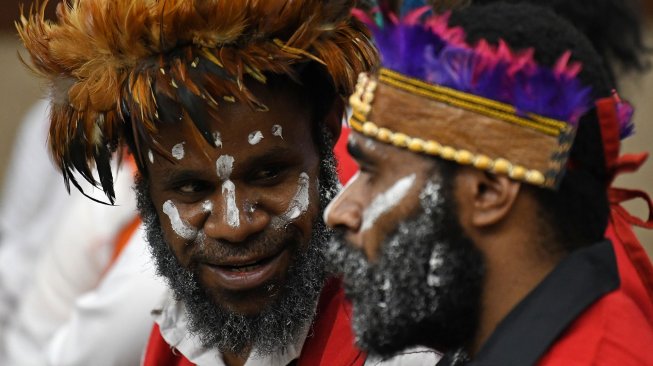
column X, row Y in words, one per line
column 386, row 201
column 231, row 210
column 337, row 197
column 255, row 137
column 207, row 206
column 180, row 227
column 150, row 156
column 217, row 138
column 277, row 130
column 178, row 151
column 298, row 204
column 224, row 166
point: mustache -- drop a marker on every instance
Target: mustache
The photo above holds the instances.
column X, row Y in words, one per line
column 271, row 241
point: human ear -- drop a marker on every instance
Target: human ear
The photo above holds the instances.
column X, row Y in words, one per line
column 488, row 198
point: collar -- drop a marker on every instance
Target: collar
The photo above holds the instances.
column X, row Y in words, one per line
column 173, row 321
column 579, row 280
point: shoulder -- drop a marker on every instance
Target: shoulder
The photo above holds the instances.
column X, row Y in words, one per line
column 612, row 331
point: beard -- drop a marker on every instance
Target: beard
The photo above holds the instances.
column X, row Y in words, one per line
column 281, row 323
column 425, row 287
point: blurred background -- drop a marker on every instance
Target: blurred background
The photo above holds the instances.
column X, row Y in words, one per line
column 19, row 91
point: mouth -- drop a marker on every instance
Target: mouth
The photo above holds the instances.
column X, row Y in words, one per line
column 247, row 273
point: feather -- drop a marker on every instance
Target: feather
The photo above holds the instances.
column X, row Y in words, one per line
column 120, row 67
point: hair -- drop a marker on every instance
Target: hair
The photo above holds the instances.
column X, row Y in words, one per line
column 613, row 26
column 576, row 214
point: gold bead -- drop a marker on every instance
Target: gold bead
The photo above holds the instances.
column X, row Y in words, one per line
column 399, row 139
column 482, row 162
column 384, row 135
column 518, row 172
column 370, row 129
column 416, row 145
column 368, row 97
column 501, row 166
column 535, row 177
column 448, row 153
column 364, row 109
column 432, row 148
column 464, row 157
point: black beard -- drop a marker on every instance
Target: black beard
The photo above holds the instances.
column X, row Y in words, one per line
column 425, row 287
column 293, row 308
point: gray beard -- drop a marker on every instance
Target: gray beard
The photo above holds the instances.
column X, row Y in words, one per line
column 425, row 287
column 282, row 322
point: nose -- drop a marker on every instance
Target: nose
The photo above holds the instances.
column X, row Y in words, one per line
column 344, row 212
column 229, row 220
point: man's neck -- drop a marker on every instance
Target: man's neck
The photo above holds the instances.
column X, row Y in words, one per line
column 512, row 272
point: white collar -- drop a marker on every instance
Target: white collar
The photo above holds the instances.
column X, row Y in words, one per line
column 173, row 323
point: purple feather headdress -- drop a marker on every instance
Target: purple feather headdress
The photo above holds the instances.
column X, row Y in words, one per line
column 422, row 45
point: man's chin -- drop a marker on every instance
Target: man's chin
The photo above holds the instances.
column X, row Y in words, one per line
column 250, row 302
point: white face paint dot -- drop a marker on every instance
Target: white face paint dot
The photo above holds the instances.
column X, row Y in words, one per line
column 224, row 165
column 277, row 130
column 178, row 151
column 255, row 137
column 150, row 156
column 217, row 139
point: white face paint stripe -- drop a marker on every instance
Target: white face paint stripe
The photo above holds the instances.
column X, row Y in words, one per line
column 231, row 210
column 386, row 201
column 298, row 204
column 150, row 156
column 337, row 197
column 277, row 130
column 181, row 228
column 224, row 166
column 178, row 151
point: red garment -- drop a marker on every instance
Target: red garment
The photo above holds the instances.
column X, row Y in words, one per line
column 347, row 167
column 330, row 342
column 618, row 329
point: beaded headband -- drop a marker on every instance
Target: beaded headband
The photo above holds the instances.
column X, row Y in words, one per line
column 485, row 105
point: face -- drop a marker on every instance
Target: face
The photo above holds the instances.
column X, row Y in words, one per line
column 413, row 277
column 235, row 228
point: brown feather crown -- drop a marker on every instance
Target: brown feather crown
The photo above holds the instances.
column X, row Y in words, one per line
column 114, row 65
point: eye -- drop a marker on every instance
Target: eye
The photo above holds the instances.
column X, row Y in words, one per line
column 192, row 187
column 268, row 174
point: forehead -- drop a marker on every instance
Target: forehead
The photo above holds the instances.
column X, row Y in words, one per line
column 240, row 128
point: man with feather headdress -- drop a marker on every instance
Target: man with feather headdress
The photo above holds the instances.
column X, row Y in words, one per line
column 488, row 143
column 230, row 109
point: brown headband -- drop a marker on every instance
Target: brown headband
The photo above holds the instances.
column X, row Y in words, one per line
column 461, row 127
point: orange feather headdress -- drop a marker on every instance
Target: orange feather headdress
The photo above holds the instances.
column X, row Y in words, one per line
column 111, row 64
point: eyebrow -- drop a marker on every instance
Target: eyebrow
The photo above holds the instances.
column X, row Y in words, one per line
column 171, row 176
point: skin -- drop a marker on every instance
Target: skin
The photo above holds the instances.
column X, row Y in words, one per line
column 494, row 213
column 266, row 179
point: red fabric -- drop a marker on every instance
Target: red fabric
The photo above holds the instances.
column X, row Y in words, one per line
column 347, row 167
column 159, row 353
column 618, row 329
column 609, row 124
column 330, row 342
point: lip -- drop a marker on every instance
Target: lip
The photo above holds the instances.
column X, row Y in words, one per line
column 251, row 273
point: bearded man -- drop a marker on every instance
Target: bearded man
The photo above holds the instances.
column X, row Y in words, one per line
column 487, row 144
column 230, row 109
